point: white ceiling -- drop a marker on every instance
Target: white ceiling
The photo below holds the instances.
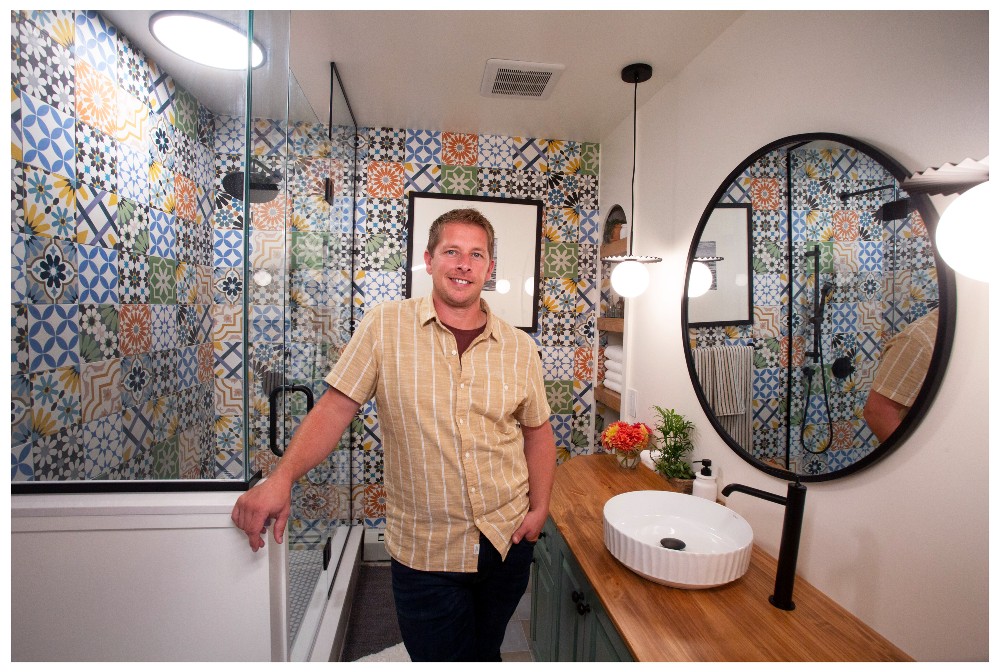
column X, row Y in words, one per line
column 423, row 69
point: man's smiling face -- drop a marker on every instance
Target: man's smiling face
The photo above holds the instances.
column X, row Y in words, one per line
column 460, row 264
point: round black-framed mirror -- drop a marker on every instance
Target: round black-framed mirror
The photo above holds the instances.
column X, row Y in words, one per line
column 845, row 249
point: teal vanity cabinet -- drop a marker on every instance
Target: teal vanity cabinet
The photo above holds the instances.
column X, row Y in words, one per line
column 568, row 622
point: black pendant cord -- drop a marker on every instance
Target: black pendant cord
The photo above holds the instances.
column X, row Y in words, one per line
column 635, row 103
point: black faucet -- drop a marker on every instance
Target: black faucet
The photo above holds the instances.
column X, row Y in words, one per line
column 791, row 531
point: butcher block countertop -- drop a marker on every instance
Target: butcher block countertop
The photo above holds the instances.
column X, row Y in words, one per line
column 733, row 622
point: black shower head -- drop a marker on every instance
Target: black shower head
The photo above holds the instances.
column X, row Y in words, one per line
column 263, row 183
column 893, row 210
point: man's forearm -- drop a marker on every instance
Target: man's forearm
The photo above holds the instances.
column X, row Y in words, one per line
column 540, row 455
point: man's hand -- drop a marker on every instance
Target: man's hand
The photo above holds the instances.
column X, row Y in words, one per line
column 531, row 527
column 268, row 500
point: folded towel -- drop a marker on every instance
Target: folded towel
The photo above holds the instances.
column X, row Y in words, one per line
column 615, row 353
column 614, row 377
column 612, row 365
column 611, row 385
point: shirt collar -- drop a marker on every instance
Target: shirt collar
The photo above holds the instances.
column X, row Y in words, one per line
column 428, row 313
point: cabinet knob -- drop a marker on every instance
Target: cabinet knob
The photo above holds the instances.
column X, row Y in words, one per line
column 582, row 608
column 576, row 596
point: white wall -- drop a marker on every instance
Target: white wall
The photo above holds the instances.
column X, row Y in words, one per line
column 904, row 544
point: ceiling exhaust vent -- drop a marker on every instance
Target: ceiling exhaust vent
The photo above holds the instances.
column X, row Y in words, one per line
column 520, row 79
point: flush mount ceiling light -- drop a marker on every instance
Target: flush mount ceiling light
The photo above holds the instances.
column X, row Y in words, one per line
column 204, row 39
column 630, row 277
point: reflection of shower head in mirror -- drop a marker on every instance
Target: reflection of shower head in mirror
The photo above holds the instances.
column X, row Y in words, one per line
column 263, row 183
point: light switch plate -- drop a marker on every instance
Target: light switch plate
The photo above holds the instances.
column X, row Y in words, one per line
column 631, row 405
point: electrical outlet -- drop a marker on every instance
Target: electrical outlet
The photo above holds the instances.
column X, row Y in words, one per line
column 632, row 407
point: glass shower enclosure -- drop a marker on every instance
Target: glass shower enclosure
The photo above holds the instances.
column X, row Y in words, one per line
column 181, row 275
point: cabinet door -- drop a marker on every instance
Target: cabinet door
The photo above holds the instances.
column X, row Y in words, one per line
column 545, row 595
column 572, row 612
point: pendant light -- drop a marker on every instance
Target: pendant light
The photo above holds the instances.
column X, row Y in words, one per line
column 630, row 277
column 965, row 233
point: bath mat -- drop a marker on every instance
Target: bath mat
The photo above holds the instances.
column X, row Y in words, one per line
column 372, row 627
column 394, row 654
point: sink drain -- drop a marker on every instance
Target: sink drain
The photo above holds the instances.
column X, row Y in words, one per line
column 672, row 544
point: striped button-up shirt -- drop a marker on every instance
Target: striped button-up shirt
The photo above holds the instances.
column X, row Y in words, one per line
column 454, row 452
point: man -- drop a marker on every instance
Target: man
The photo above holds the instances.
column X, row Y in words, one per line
column 900, row 376
column 469, row 452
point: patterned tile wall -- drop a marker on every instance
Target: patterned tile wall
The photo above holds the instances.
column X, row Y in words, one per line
column 112, row 172
column 562, row 174
column 873, row 297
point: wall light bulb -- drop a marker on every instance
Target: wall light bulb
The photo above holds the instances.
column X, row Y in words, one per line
column 965, row 235
column 630, row 278
column 701, row 279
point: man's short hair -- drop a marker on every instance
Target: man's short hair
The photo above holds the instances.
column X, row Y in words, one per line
column 466, row 216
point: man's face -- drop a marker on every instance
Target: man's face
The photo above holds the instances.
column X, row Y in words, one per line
column 460, row 265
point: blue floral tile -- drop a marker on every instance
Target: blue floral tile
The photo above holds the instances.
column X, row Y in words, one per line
column 97, row 42
column 98, row 274
column 267, row 323
column 187, row 368
column 229, row 135
column 162, row 234
column 48, row 137
column 423, row 147
column 228, row 285
column 494, row 182
column 137, row 379
column 51, row 267
column 163, row 326
column 20, row 407
column 496, row 151
column 387, row 144
column 228, row 247
column 55, row 399
column 48, row 204
column 22, row 467
column 387, row 215
column 557, row 363
column 133, row 174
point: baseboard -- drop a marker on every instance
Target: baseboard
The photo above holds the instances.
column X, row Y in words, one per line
column 375, row 546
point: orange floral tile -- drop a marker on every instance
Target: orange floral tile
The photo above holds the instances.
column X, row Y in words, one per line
column 846, row 225
column 96, row 100
column 798, row 351
column 135, row 334
column 206, row 362
column 583, row 363
column 186, row 196
column 386, row 179
column 459, row 149
column 270, row 216
column 374, row 500
column 765, row 193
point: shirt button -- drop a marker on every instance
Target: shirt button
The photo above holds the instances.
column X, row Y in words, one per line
column 472, row 489
column 460, row 421
column 454, row 352
column 467, row 454
column 505, row 387
column 462, row 386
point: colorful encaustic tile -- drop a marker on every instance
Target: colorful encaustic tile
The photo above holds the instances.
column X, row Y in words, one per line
column 48, row 204
column 48, row 137
column 44, row 66
column 97, row 217
column 96, row 98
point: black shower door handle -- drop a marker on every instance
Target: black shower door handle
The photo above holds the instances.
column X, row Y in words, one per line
column 273, row 408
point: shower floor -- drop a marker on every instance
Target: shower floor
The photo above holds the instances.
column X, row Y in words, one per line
column 304, row 568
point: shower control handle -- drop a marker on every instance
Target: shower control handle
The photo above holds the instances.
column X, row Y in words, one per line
column 272, row 399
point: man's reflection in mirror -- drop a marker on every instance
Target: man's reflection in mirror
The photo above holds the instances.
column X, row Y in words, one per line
column 901, row 371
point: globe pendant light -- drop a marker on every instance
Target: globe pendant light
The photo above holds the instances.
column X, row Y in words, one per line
column 630, row 277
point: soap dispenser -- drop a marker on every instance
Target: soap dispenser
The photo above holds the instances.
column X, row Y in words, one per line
column 705, row 485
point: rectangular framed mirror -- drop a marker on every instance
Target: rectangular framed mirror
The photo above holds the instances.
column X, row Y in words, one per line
column 512, row 292
column 725, row 248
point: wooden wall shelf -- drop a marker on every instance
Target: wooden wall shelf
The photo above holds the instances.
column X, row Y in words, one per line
column 614, row 248
column 615, row 324
column 609, row 398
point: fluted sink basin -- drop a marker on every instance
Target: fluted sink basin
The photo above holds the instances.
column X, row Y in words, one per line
column 644, row 530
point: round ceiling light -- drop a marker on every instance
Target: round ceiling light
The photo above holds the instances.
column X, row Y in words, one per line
column 204, row 39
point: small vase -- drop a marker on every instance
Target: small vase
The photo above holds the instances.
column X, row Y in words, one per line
column 628, row 460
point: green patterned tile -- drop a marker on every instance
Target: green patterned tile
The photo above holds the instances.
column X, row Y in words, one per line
column 459, row 180
column 560, row 395
column 162, row 280
column 308, row 249
column 186, row 109
column 133, row 224
column 166, row 459
column 560, row 260
column 590, row 158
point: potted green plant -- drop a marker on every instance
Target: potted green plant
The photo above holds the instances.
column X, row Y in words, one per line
column 674, row 446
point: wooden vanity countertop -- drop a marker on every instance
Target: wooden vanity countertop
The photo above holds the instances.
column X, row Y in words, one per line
column 734, row 622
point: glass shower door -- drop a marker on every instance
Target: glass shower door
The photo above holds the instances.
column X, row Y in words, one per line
column 298, row 316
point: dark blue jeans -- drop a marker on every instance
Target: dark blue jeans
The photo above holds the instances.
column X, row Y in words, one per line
column 461, row 616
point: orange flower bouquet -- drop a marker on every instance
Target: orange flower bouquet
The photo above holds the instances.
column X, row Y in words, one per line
column 626, row 441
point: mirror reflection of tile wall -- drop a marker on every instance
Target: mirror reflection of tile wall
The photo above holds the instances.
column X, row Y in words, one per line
column 884, row 278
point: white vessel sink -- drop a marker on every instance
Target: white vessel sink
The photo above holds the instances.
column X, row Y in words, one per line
column 716, row 541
